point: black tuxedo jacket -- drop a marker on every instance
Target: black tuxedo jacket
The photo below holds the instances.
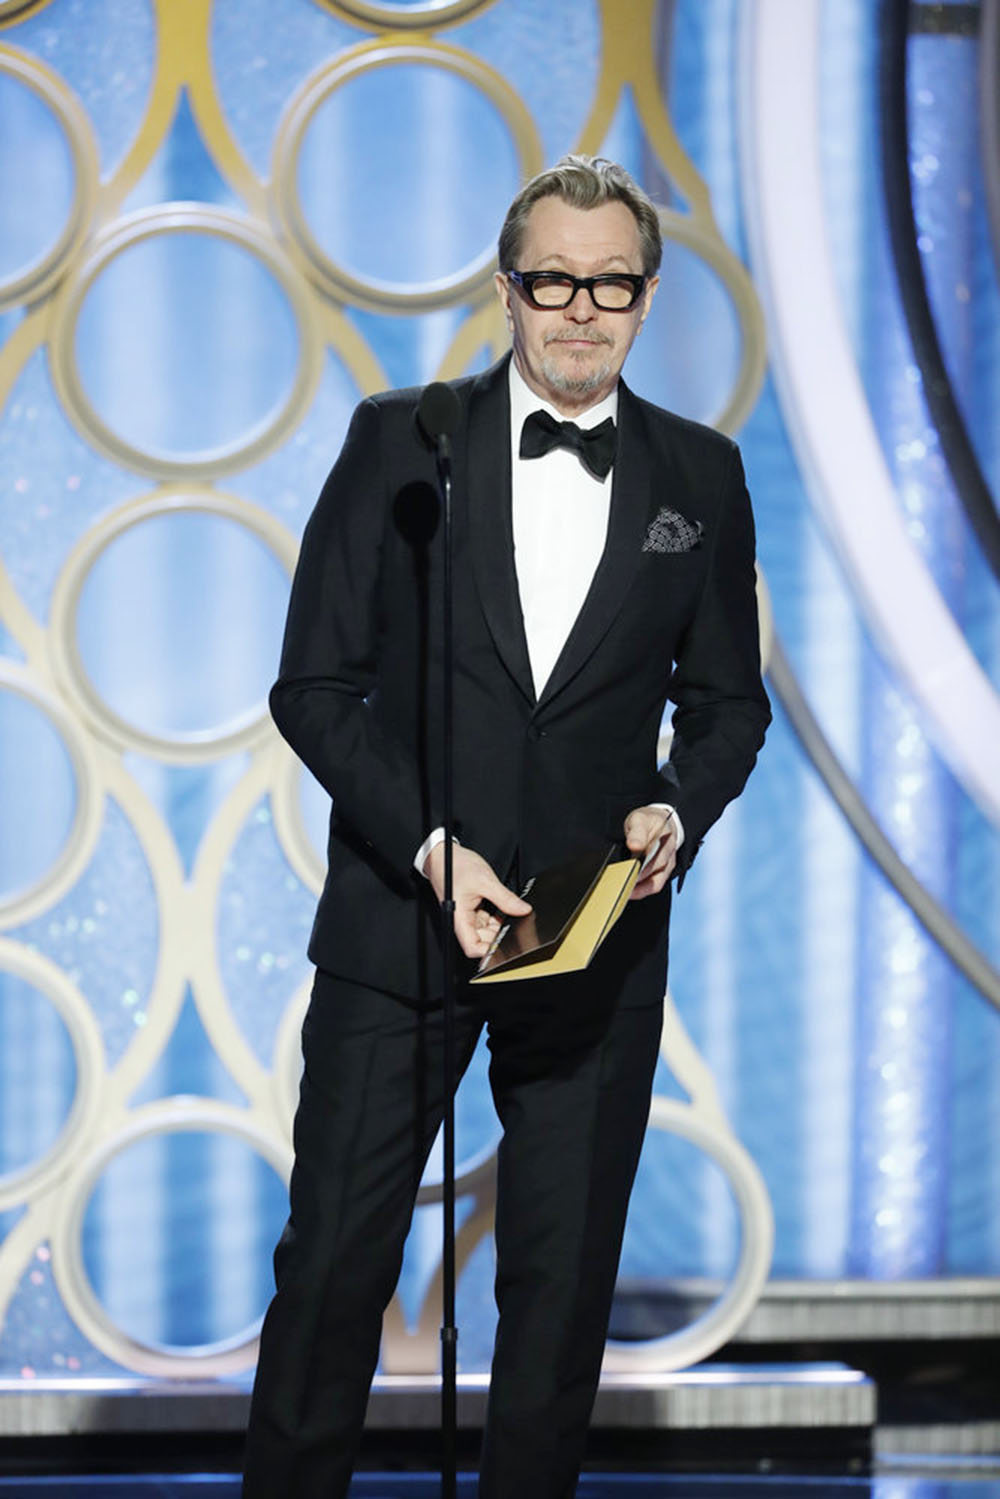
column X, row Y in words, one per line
column 671, row 613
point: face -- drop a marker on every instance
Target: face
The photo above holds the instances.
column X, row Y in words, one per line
column 571, row 356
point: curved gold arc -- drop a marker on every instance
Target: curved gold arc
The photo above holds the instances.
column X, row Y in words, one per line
column 190, row 32
column 351, row 347
column 484, row 325
column 168, row 78
column 12, row 12
column 77, row 1129
column 289, row 824
column 336, row 280
column 168, row 983
column 430, row 16
column 75, row 124
column 182, row 218
column 708, row 244
column 88, row 811
column 628, row 63
column 67, row 664
column 206, row 885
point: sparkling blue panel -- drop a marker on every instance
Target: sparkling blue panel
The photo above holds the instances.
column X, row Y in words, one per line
column 314, row 804
column 38, row 1090
column 257, row 65
column 38, row 1338
column 36, row 178
column 550, row 54
column 187, row 797
column 264, row 919
column 178, row 588
column 199, row 1267
column 104, row 933
column 105, row 50
column 687, row 357
column 421, row 206
column 288, row 482
column 682, row 1219
column 699, row 48
column 410, row 349
column 37, row 793
column 182, row 169
column 52, row 486
column 188, row 1065
column 186, row 343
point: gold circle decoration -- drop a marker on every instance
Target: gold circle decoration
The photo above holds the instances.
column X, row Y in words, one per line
column 193, row 748
column 13, row 11
column 705, row 242
column 471, row 281
column 427, row 16
column 290, row 823
column 79, row 844
column 202, row 1115
column 88, row 1051
column 183, row 218
column 79, row 137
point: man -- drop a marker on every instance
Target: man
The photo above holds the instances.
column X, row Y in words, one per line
column 593, row 583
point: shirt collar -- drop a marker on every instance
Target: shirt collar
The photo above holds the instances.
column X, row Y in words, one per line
column 523, row 402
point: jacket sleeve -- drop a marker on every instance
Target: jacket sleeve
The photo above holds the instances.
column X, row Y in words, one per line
column 329, row 656
column 722, row 709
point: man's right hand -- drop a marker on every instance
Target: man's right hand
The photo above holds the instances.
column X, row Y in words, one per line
column 473, row 882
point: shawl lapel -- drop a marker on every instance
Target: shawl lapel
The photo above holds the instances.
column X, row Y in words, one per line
column 630, row 509
column 487, row 486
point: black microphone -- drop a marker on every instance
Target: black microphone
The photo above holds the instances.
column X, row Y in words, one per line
column 438, row 412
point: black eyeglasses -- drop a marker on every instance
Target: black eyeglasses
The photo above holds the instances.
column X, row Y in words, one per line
column 616, row 292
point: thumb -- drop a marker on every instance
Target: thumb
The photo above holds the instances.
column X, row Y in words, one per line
column 506, row 901
column 637, row 832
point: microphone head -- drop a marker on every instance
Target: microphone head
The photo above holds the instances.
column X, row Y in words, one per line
column 438, row 411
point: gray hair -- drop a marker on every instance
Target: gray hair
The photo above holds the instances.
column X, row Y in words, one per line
column 583, row 182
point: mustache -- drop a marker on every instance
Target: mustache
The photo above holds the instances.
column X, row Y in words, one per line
column 577, row 338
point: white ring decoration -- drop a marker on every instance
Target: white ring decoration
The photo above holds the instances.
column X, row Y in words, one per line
column 691, row 1344
column 184, row 218
column 178, row 1114
column 200, row 746
column 42, row 893
column 88, row 1050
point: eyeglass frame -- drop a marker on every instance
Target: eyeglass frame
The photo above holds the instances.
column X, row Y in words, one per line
column 525, row 280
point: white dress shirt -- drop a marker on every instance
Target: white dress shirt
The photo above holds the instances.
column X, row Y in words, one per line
column 560, row 515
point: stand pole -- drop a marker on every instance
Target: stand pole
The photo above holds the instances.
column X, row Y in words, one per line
column 449, row 1331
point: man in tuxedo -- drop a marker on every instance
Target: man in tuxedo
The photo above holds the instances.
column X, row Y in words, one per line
column 604, row 564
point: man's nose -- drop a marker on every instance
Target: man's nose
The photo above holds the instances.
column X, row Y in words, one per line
column 581, row 309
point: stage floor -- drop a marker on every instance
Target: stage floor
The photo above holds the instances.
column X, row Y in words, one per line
column 932, row 1484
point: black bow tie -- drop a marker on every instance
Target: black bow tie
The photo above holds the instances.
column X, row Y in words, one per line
column 594, row 446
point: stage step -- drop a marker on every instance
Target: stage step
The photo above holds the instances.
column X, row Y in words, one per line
column 715, row 1396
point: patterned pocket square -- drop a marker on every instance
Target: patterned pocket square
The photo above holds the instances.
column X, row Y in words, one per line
column 672, row 532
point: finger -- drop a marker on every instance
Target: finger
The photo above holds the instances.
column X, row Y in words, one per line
column 643, row 827
column 506, row 900
column 473, row 942
column 651, row 884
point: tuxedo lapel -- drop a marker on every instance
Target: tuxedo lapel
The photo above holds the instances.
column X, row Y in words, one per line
column 488, row 488
column 630, row 510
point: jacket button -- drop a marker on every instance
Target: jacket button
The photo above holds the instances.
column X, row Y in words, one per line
column 535, row 733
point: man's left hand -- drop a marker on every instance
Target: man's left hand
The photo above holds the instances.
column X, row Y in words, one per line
column 644, row 829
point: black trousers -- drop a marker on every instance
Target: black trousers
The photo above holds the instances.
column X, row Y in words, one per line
column 571, row 1074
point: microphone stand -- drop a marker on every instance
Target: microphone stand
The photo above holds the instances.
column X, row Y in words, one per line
column 449, row 1330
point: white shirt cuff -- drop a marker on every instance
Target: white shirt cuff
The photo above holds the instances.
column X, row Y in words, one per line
column 672, row 811
column 431, row 841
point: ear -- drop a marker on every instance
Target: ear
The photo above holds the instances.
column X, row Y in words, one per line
column 647, row 298
column 503, row 292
